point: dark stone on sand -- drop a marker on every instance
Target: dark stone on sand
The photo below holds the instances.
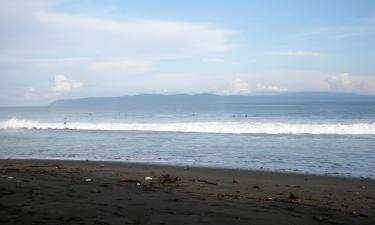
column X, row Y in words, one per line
column 292, row 196
column 318, row 218
column 256, row 187
column 124, row 180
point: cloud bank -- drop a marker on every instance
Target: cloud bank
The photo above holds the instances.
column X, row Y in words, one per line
column 63, row 85
column 240, row 87
column 349, row 83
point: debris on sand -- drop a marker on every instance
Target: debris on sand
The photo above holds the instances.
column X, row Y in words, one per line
column 292, row 196
column 234, row 181
column 6, row 170
column 358, row 213
column 87, row 180
column 125, row 180
column 206, row 181
column 256, row 187
column 148, row 178
column 318, row 218
column 168, row 179
column 43, row 166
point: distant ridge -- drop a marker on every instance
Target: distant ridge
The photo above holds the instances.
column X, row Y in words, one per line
column 208, row 98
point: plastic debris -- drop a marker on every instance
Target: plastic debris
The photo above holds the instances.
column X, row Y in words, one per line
column 148, row 178
column 358, row 213
column 88, row 180
column 101, row 165
column 10, row 177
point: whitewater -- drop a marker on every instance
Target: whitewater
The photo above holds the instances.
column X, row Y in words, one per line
column 201, row 127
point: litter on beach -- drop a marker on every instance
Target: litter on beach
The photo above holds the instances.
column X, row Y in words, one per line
column 167, row 178
column 125, row 180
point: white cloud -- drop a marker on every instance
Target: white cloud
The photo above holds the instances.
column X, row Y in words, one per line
column 297, row 54
column 348, row 83
column 120, row 66
column 269, row 88
column 214, row 60
column 63, row 85
column 238, row 87
column 241, row 87
column 42, row 32
column 341, row 82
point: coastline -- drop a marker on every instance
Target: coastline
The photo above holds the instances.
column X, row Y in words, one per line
column 98, row 192
column 197, row 166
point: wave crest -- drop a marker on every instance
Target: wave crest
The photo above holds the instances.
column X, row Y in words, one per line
column 202, row 127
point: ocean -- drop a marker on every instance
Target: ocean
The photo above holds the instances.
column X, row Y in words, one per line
column 315, row 137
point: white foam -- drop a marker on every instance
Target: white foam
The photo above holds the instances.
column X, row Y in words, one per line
column 203, row 127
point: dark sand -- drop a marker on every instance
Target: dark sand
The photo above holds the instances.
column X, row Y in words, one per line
column 55, row 192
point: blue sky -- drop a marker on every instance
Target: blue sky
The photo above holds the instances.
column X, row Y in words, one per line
column 69, row 49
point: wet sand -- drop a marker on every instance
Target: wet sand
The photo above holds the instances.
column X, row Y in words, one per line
column 86, row 192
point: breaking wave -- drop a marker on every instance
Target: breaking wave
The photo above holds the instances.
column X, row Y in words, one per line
column 202, row 127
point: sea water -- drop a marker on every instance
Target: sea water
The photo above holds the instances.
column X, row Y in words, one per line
column 330, row 138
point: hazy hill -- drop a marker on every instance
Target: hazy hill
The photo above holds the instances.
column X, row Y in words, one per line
column 208, row 98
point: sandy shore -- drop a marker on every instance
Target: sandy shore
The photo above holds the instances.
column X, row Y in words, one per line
column 85, row 192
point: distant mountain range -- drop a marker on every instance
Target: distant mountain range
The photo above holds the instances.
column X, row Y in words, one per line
column 209, row 98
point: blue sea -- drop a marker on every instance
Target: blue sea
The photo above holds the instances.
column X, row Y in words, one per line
column 328, row 138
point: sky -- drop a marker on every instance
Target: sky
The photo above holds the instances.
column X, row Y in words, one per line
column 56, row 49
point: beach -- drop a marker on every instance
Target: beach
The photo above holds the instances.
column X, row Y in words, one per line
column 94, row 192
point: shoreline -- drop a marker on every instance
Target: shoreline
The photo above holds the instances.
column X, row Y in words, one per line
column 31, row 190
column 156, row 164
